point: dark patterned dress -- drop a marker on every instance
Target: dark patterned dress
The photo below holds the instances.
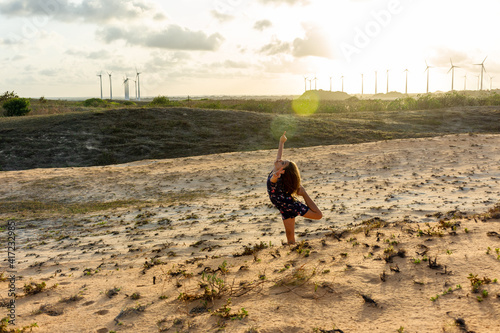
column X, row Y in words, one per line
column 288, row 206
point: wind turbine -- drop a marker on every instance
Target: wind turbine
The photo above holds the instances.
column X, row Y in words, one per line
column 110, row 86
column 330, row 83
column 310, row 80
column 100, row 79
column 135, row 88
column 427, row 70
column 315, row 82
column 482, row 70
column 452, row 69
column 305, row 83
column 138, row 96
column 342, row 77
column 406, row 84
column 375, row 82
column 387, row 82
column 125, row 83
column 491, row 81
column 465, row 82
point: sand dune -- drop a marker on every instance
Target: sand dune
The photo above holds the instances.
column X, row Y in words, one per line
column 184, row 216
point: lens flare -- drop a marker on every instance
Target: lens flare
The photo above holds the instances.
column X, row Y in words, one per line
column 283, row 123
column 307, row 104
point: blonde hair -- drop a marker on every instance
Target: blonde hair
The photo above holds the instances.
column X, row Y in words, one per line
column 291, row 178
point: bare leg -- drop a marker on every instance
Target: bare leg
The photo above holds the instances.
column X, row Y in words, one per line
column 314, row 212
column 290, row 230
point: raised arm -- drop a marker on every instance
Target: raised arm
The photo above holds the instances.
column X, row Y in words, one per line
column 279, row 164
column 280, row 148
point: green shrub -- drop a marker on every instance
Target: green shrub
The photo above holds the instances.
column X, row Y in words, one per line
column 160, row 101
column 399, row 104
column 427, row 102
column 16, row 107
column 493, row 99
column 453, row 99
column 94, row 102
column 129, row 103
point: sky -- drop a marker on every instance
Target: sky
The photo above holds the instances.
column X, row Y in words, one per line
column 57, row 48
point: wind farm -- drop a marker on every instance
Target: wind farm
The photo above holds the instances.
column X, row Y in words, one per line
column 404, row 84
column 319, row 81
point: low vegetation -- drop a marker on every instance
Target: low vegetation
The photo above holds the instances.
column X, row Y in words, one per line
column 102, row 132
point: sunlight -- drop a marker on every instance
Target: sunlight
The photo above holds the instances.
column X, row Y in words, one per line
column 307, row 104
column 283, row 123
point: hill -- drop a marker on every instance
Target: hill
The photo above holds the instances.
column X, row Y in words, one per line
column 324, row 95
column 116, row 136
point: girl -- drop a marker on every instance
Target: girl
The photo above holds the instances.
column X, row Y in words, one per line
column 283, row 185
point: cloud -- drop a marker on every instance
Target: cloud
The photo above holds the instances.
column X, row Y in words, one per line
column 262, row 24
column 439, row 57
column 87, row 10
column 49, row 72
column 288, row 2
column 284, row 64
column 160, row 61
column 173, row 37
column 100, row 54
column 313, row 44
column 221, row 17
column 11, row 41
column 18, row 57
column 276, row 47
column 235, row 64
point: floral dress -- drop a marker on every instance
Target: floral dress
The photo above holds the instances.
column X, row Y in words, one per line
column 288, row 206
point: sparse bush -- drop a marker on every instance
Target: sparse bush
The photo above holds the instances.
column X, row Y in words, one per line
column 16, row 107
column 34, row 288
column 211, row 105
column 94, row 102
column 8, row 95
column 129, row 103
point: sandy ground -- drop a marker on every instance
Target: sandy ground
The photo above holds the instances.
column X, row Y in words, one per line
column 145, row 267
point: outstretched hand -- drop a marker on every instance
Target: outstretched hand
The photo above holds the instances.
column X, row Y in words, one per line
column 283, row 138
column 279, row 172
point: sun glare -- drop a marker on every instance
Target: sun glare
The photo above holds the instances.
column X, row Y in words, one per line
column 307, row 104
